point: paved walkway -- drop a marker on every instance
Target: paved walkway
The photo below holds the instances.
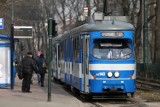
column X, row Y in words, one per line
column 38, row 97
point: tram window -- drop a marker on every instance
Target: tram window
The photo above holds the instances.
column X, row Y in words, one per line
column 67, row 49
column 75, row 48
column 62, row 51
column 112, row 49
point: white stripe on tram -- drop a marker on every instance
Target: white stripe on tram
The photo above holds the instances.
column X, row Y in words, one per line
column 112, row 66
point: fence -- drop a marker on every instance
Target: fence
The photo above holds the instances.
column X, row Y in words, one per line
column 149, row 71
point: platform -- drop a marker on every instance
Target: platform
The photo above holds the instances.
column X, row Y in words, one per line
column 38, row 97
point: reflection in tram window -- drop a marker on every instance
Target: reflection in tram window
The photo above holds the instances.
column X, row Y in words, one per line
column 112, row 49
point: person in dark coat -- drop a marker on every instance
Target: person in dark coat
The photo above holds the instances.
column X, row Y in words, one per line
column 37, row 62
column 42, row 69
column 29, row 66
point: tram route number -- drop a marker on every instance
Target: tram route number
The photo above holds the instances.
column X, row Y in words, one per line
column 101, row 74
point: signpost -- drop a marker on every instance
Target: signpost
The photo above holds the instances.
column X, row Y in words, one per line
column 18, row 32
column 1, row 23
column 50, row 31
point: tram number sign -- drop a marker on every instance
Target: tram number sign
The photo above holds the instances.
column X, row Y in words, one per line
column 101, row 74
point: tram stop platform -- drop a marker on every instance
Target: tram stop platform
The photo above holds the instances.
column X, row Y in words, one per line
column 38, row 97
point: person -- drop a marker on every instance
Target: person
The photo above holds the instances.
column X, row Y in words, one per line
column 42, row 69
column 37, row 62
column 29, row 65
column 109, row 55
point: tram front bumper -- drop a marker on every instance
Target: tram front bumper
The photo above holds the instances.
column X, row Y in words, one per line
column 124, row 86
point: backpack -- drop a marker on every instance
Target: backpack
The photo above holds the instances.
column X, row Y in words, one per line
column 20, row 71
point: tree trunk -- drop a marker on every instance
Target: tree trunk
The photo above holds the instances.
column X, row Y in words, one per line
column 157, row 32
column 114, row 7
column 138, row 38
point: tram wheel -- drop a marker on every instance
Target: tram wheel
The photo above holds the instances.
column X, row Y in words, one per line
column 86, row 97
column 55, row 79
column 132, row 95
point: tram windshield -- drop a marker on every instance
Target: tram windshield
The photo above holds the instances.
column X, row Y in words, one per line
column 112, row 49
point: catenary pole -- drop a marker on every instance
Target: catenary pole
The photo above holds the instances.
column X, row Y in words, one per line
column 89, row 8
column 145, row 37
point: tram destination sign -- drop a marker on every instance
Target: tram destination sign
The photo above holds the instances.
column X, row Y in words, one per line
column 22, row 32
column 1, row 23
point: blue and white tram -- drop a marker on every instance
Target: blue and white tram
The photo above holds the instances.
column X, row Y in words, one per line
column 98, row 59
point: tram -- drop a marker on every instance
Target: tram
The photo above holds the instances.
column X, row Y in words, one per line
column 97, row 59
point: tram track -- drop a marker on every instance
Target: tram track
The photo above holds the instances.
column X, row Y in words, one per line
column 129, row 102
column 93, row 102
column 148, row 85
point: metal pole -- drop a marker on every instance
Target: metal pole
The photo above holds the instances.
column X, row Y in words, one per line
column 89, row 9
column 12, row 47
column 104, row 7
column 50, row 51
column 145, row 33
column 142, row 32
column 12, row 56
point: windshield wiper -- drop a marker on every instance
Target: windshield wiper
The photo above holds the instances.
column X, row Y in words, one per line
column 126, row 55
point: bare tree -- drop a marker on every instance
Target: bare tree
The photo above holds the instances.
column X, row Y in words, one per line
column 5, row 12
column 137, row 20
column 68, row 11
column 114, row 7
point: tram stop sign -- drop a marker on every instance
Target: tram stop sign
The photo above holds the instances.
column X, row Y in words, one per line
column 23, row 32
column 1, row 23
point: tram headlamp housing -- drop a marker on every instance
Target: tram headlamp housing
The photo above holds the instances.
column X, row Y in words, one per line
column 116, row 74
column 109, row 74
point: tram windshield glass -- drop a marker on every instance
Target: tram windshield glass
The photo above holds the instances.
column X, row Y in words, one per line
column 112, row 49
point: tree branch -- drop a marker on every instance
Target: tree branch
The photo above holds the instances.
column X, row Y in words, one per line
column 151, row 3
column 150, row 18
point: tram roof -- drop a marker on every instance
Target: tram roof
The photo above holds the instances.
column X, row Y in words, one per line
column 106, row 25
column 57, row 38
column 102, row 26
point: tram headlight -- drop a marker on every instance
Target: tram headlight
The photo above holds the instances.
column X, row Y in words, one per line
column 116, row 74
column 109, row 74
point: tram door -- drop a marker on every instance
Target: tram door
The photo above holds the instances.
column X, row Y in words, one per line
column 57, row 62
column 85, row 62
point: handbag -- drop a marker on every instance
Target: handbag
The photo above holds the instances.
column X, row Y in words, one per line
column 20, row 71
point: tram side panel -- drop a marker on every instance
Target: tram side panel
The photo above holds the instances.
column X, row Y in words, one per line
column 76, row 65
column 67, row 60
column 62, row 63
